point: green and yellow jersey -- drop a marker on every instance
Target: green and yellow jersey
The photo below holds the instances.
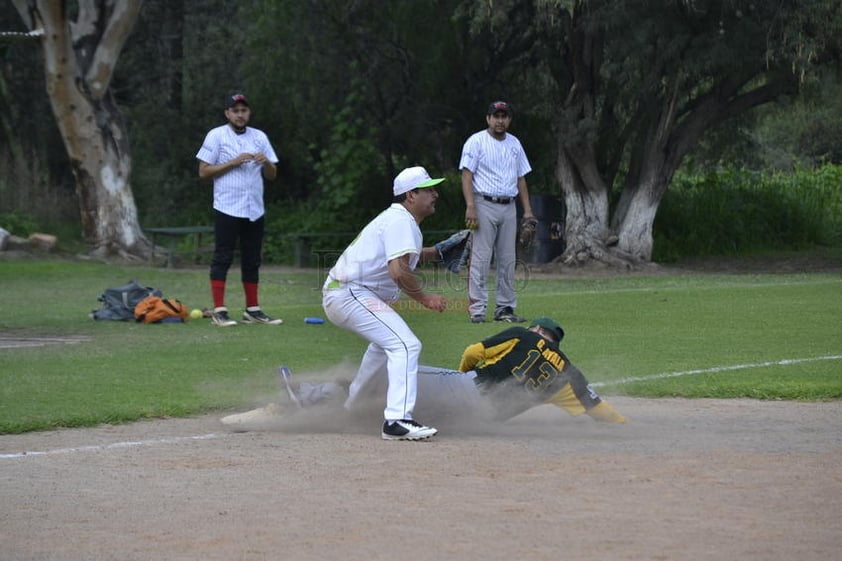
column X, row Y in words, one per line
column 518, row 369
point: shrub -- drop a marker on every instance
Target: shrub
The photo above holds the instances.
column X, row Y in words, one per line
column 737, row 211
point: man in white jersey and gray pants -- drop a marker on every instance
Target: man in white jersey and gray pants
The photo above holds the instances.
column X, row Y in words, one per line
column 367, row 278
column 494, row 166
column 238, row 158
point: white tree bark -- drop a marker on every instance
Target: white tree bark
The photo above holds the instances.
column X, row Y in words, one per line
column 587, row 212
column 635, row 231
column 586, row 205
column 79, row 59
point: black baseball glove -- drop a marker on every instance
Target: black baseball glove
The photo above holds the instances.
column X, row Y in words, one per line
column 526, row 235
column 455, row 250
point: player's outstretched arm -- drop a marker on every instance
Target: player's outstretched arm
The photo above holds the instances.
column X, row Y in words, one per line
column 430, row 255
column 471, row 356
column 406, row 280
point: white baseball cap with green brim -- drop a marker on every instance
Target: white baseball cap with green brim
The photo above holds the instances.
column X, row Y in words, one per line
column 413, row 178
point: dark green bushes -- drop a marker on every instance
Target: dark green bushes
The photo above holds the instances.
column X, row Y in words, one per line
column 728, row 212
column 735, row 211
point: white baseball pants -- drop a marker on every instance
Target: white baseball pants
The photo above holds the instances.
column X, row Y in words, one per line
column 393, row 348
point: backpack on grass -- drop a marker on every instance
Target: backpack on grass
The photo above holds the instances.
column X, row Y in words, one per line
column 118, row 304
column 154, row 309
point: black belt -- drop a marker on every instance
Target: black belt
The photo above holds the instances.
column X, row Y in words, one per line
column 498, row 200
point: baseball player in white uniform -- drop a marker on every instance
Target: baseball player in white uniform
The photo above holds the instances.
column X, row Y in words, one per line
column 368, row 277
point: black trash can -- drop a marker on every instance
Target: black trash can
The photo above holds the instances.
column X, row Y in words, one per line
column 549, row 237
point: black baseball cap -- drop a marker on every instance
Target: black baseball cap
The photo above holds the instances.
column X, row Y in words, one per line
column 496, row 106
column 234, row 99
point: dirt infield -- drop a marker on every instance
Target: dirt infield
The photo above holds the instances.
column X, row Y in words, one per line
column 684, row 480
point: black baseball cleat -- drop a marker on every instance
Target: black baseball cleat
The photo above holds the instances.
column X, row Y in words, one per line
column 257, row 316
column 221, row 319
column 406, row 429
column 508, row 315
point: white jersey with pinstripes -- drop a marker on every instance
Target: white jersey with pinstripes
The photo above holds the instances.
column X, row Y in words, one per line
column 392, row 234
column 496, row 164
column 239, row 191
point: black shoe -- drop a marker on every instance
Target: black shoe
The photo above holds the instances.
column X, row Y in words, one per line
column 220, row 318
column 508, row 315
column 477, row 319
column 257, row 316
column 406, row 429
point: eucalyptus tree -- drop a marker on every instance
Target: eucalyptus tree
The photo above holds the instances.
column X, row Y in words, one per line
column 631, row 86
column 81, row 43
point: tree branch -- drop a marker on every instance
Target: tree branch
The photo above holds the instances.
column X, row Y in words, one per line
column 123, row 14
column 723, row 103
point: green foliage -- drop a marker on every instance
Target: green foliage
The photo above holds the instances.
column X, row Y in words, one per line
column 802, row 132
column 328, row 233
column 292, row 239
column 349, row 169
column 19, row 223
column 349, row 93
column 735, row 211
column 617, row 328
column 450, row 207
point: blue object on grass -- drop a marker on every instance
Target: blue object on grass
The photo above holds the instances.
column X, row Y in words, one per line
column 314, row 320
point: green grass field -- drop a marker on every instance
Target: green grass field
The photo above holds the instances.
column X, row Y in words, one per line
column 727, row 335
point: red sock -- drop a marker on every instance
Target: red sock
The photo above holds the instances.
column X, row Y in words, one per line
column 218, row 293
column 250, row 288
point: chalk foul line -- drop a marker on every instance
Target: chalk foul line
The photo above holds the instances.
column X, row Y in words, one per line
column 628, row 380
column 713, row 370
column 112, row 446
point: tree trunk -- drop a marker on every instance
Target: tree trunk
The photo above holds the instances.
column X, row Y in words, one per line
column 654, row 160
column 586, row 234
column 634, row 230
column 79, row 58
column 97, row 144
column 659, row 152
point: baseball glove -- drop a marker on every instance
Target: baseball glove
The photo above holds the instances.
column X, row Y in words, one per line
column 528, row 228
column 455, row 250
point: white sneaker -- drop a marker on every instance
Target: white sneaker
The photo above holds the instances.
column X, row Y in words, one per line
column 406, row 429
column 243, row 422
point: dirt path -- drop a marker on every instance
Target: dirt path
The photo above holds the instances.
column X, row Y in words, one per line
column 684, row 480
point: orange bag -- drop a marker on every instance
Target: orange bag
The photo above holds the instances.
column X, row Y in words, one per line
column 154, row 309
